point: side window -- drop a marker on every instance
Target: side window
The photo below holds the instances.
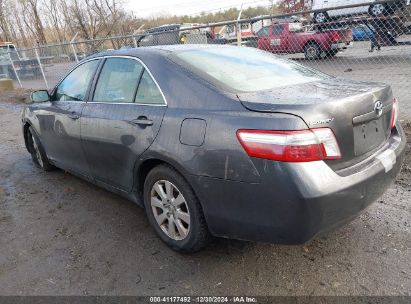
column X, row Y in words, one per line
column 245, row 26
column 118, row 81
column 148, row 92
column 74, row 86
column 147, row 40
column 263, row 32
column 278, row 29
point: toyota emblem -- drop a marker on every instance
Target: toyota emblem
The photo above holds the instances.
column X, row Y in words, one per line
column 378, row 108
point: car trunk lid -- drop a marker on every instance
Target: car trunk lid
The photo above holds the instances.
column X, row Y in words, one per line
column 359, row 113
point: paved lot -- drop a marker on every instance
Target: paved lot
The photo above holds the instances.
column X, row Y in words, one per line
column 60, row 235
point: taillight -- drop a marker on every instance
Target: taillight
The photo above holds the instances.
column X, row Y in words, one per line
column 290, row 146
column 394, row 112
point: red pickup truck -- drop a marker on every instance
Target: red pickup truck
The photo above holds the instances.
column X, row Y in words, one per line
column 292, row 38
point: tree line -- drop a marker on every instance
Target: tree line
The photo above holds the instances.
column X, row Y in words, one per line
column 39, row 22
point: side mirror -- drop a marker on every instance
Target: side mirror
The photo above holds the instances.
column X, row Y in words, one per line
column 40, row 96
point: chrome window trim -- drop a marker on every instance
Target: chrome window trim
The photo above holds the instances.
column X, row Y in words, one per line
column 122, row 103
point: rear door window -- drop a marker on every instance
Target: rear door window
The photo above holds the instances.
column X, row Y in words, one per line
column 148, row 91
column 118, row 81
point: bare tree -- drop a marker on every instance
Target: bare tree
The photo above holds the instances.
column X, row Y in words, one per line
column 32, row 19
column 55, row 19
column 4, row 20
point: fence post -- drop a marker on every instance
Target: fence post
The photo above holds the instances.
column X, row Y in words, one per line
column 15, row 72
column 238, row 26
column 41, row 68
column 238, row 34
column 73, row 48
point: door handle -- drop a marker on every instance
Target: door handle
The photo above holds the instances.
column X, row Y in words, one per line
column 73, row 115
column 142, row 121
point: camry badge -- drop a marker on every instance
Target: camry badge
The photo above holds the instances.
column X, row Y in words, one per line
column 378, row 108
column 321, row 121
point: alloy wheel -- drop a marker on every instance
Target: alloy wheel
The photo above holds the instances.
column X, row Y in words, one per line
column 320, row 17
column 377, row 9
column 170, row 210
column 312, row 52
column 37, row 151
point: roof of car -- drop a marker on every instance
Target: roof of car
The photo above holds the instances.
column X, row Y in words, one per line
column 160, row 50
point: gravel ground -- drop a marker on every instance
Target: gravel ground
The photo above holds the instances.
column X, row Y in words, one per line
column 60, row 235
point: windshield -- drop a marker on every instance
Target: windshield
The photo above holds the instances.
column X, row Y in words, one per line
column 243, row 69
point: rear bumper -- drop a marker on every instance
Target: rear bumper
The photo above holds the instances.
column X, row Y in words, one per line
column 341, row 45
column 296, row 201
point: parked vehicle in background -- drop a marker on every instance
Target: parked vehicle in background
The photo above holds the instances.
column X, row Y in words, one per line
column 258, row 25
column 24, row 67
column 375, row 10
column 176, row 34
column 293, row 38
column 229, row 31
column 289, row 19
column 362, row 32
column 221, row 140
column 9, row 47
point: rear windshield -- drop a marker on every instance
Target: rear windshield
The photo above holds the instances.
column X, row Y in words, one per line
column 244, row 69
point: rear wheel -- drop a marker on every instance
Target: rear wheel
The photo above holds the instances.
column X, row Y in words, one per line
column 174, row 210
column 312, row 51
column 37, row 151
column 377, row 10
column 320, row 17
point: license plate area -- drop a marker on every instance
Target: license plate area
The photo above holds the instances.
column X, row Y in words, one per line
column 369, row 135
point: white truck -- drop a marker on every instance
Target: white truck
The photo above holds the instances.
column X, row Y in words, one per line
column 24, row 67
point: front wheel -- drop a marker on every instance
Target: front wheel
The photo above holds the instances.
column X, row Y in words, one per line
column 312, row 51
column 377, row 10
column 174, row 210
column 37, row 151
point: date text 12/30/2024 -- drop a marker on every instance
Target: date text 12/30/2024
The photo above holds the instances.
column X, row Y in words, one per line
column 203, row 299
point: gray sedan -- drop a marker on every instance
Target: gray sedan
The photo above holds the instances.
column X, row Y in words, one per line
column 220, row 141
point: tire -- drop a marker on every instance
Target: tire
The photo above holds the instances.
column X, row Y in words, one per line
column 377, row 10
column 174, row 211
column 37, row 151
column 320, row 17
column 331, row 53
column 312, row 51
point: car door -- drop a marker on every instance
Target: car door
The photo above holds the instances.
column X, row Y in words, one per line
column 358, row 9
column 60, row 121
column 121, row 121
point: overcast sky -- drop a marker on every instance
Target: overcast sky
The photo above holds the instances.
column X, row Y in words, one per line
column 149, row 8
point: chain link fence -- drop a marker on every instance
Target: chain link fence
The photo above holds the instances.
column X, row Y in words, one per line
column 369, row 41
